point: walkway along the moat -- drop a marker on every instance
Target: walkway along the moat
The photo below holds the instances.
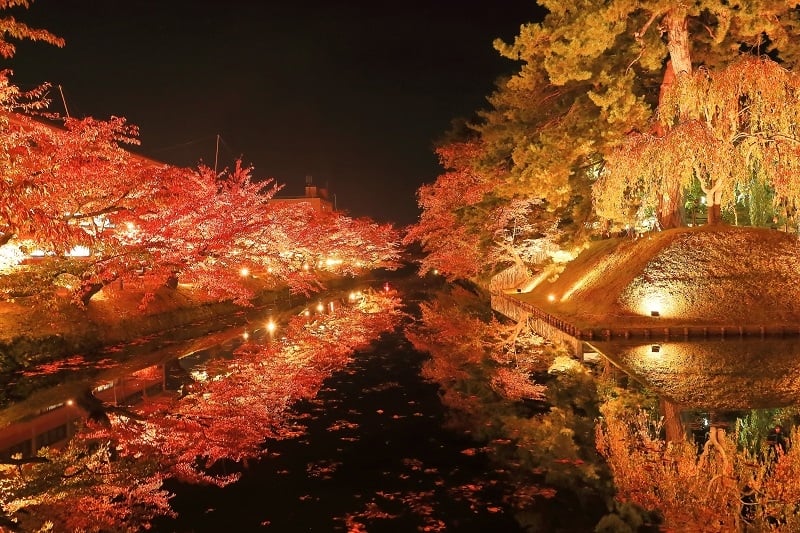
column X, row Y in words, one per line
column 559, row 330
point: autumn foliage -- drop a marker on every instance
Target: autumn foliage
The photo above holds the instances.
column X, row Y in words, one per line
column 722, row 486
column 110, row 476
column 78, row 188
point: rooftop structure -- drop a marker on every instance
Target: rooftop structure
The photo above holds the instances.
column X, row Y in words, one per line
column 316, row 196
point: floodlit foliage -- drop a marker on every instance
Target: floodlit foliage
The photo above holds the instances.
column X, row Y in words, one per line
column 469, row 232
column 138, row 220
column 75, row 189
column 719, row 488
column 11, row 29
column 598, row 87
column 733, row 131
column 110, row 476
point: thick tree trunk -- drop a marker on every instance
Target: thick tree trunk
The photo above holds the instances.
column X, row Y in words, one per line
column 714, row 214
column 676, row 22
column 679, row 63
column 88, row 290
column 172, row 282
column 672, row 421
column 669, row 211
column 714, row 203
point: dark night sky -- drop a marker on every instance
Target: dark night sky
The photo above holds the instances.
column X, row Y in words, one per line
column 353, row 93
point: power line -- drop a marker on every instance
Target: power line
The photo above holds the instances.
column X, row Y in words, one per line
column 182, row 145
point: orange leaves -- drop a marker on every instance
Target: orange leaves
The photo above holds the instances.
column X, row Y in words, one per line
column 249, row 400
column 110, row 477
column 142, row 220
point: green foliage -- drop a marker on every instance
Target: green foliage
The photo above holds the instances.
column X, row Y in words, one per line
column 39, row 279
column 627, row 518
column 759, row 200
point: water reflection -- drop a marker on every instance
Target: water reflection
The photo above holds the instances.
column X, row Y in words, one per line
column 51, row 416
column 713, row 375
column 122, row 376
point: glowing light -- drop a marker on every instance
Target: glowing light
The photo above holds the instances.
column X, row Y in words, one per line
column 307, row 313
column 70, row 402
column 244, row 272
column 10, row 256
column 551, row 298
column 330, row 306
column 271, row 327
column 563, row 256
column 130, row 226
column 656, row 305
column 79, row 251
column 199, row 375
column 332, row 261
column 305, row 266
column 562, row 364
column 435, row 271
column 245, row 335
column 320, row 307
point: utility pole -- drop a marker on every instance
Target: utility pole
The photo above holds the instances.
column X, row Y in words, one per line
column 216, row 156
column 64, row 100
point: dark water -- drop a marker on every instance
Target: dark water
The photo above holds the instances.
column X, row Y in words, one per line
column 375, row 457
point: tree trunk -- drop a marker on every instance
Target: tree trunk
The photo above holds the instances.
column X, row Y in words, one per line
column 88, row 290
column 679, row 63
column 669, row 212
column 676, row 22
column 714, row 214
column 672, row 421
column 714, row 203
column 172, row 281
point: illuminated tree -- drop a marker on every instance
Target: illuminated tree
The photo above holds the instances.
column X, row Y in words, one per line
column 216, row 232
column 732, row 130
column 62, row 187
column 451, row 245
column 141, row 220
column 468, row 231
column 715, row 490
column 11, row 28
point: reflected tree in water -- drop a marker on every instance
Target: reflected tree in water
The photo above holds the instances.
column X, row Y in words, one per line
column 721, row 487
column 110, row 476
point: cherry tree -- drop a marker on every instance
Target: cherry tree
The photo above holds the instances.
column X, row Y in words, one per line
column 215, row 232
column 11, row 29
column 468, row 230
column 451, row 245
column 147, row 221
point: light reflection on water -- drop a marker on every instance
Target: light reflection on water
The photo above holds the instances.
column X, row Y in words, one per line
column 717, row 375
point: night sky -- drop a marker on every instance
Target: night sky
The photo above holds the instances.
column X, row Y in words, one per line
column 353, row 93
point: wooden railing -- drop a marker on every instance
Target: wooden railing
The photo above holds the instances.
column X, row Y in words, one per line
column 514, row 307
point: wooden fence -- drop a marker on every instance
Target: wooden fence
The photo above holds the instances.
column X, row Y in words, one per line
column 558, row 330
